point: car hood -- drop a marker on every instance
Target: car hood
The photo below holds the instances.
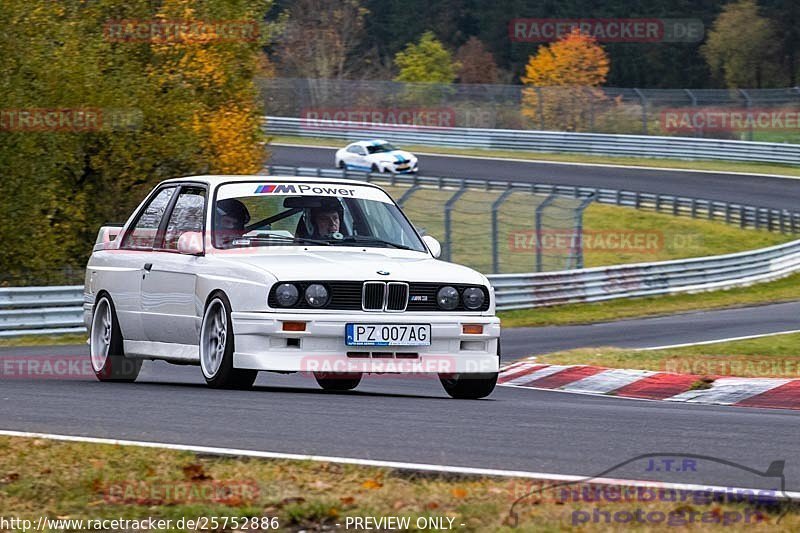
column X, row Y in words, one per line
column 359, row 264
column 392, row 156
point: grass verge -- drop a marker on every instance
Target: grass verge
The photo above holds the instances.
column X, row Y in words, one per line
column 715, row 166
column 92, row 481
column 43, row 340
column 782, row 290
column 776, row 356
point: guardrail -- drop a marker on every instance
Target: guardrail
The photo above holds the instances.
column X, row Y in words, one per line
column 523, row 291
column 41, row 310
column 512, row 291
column 542, row 141
column 744, row 216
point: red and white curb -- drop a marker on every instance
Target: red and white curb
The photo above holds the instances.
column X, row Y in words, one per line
column 650, row 385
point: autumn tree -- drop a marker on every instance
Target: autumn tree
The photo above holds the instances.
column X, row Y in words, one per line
column 740, row 48
column 561, row 82
column 426, row 61
column 168, row 108
column 477, row 64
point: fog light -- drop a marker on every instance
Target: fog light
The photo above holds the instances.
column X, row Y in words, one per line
column 294, row 326
column 472, row 329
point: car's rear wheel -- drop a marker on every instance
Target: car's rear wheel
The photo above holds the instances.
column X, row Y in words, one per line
column 337, row 381
column 341, row 164
column 105, row 346
column 470, row 386
column 217, row 346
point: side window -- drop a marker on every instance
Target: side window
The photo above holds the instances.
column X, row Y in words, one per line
column 143, row 233
column 187, row 215
column 352, row 149
column 360, row 150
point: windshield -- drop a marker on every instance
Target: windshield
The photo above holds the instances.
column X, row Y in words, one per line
column 298, row 214
column 380, row 148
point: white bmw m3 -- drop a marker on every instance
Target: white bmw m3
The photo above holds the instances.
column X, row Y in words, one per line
column 376, row 156
column 241, row 274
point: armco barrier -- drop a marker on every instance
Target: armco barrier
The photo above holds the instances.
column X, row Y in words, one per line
column 61, row 307
column 523, row 291
column 543, row 141
column 41, row 310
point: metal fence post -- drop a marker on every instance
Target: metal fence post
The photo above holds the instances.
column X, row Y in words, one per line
column 642, row 97
column 448, row 207
column 495, row 245
column 406, row 195
column 577, row 241
column 749, row 105
column 547, row 201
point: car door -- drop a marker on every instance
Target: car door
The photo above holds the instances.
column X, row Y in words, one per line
column 169, row 309
column 135, row 252
column 362, row 162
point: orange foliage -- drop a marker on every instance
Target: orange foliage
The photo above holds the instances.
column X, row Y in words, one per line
column 565, row 75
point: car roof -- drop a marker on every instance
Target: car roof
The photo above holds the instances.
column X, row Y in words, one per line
column 214, row 180
column 368, row 143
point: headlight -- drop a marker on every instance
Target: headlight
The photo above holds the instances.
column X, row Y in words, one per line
column 447, row 298
column 473, row 298
column 316, row 295
column 286, row 294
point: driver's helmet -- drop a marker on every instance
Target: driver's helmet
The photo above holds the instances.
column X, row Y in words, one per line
column 234, row 209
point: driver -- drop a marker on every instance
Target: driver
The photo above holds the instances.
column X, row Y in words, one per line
column 231, row 218
column 325, row 221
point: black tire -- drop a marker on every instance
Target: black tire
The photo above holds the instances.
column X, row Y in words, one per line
column 375, row 168
column 470, row 386
column 106, row 347
column 218, row 368
column 337, row 382
column 342, row 165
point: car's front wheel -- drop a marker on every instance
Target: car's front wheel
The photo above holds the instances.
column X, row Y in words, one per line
column 105, row 346
column 216, row 348
column 470, row 386
column 337, row 381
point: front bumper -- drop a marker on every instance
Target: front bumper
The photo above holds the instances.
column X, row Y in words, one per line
column 261, row 344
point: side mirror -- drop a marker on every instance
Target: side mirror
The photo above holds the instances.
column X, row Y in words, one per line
column 433, row 245
column 191, row 243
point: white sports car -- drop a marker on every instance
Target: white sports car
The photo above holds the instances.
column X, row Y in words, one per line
column 239, row 274
column 376, row 156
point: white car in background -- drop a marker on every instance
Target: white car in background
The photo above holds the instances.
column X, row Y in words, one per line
column 241, row 274
column 376, row 156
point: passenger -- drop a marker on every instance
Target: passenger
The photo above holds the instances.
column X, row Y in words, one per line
column 231, row 218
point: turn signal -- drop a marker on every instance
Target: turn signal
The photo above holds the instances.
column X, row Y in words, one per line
column 294, row 326
column 472, row 329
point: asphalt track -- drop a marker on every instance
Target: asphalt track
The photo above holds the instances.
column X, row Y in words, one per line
column 779, row 193
column 411, row 419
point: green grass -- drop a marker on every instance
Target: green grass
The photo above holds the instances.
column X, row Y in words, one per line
column 44, row 340
column 716, row 166
column 665, row 236
column 782, row 290
column 92, row 481
column 775, row 356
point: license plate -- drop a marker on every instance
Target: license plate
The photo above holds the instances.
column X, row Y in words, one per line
column 402, row 167
column 388, row 334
